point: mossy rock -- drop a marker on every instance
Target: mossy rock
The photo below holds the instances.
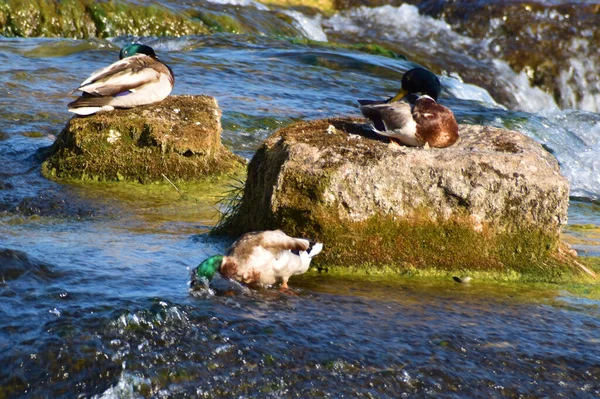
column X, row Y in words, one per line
column 87, row 18
column 495, row 201
column 178, row 139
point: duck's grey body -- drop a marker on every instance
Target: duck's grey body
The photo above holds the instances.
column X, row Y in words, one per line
column 136, row 80
column 393, row 120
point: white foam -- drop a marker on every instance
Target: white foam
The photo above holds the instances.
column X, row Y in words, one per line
column 310, row 26
column 578, row 82
column 529, row 99
column 574, row 136
column 465, row 91
column 125, row 388
column 403, row 22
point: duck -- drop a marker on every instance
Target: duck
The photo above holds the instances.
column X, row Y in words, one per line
column 260, row 259
column 138, row 78
column 413, row 117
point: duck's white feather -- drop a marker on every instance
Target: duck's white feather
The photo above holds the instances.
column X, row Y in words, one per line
column 267, row 257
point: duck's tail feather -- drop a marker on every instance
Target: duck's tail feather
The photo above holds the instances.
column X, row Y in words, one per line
column 315, row 249
column 373, row 113
column 88, row 104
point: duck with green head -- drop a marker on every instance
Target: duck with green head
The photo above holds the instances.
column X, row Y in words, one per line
column 260, row 259
column 413, row 117
column 138, row 78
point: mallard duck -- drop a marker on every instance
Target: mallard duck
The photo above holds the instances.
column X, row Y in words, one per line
column 138, row 78
column 413, row 117
column 260, row 259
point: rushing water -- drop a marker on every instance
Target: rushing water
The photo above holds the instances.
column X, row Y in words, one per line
column 93, row 278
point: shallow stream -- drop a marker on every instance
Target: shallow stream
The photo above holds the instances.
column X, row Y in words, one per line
column 94, row 297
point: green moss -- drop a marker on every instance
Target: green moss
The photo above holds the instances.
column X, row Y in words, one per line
column 420, row 246
column 177, row 139
column 221, row 22
column 87, row 18
column 374, row 49
column 583, row 227
column 34, row 134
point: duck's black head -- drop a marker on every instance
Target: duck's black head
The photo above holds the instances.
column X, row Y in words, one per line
column 421, row 81
column 136, row 48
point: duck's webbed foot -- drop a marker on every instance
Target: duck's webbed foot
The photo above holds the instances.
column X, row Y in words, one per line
column 287, row 290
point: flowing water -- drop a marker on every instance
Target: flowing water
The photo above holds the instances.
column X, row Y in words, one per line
column 94, row 277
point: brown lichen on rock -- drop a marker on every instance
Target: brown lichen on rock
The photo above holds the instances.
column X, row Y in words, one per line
column 179, row 138
column 495, row 200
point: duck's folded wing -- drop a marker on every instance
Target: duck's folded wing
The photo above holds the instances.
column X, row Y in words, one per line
column 124, row 75
column 388, row 116
column 371, row 102
column 277, row 240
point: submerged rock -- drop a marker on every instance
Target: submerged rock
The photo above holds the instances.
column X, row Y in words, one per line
column 178, row 138
column 495, row 200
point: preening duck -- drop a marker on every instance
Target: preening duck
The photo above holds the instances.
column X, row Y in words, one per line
column 138, row 78
column 413, row 117
column 260, row 259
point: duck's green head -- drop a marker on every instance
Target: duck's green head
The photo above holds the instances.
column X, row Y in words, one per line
column 419, row 81
column 136, row 48
column 209, row 267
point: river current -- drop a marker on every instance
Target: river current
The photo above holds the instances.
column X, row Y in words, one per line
column 94, row 297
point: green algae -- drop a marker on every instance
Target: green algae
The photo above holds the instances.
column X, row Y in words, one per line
column 583, row 227
column 222, row 22
column 339, row 281
column 257, row 22
column 369, row 48
column 33, row 134
column 425, row 248
column 86, row 18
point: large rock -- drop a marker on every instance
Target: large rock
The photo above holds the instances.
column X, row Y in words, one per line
column 178, row 138
column 495, row 200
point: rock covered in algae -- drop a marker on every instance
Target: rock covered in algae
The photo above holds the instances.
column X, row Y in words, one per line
column 495, row 200
column 178, row 138
column 88, row 18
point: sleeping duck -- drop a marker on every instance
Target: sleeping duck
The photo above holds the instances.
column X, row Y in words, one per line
column 413, row 117
column 139, row 78
column 260, row 259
